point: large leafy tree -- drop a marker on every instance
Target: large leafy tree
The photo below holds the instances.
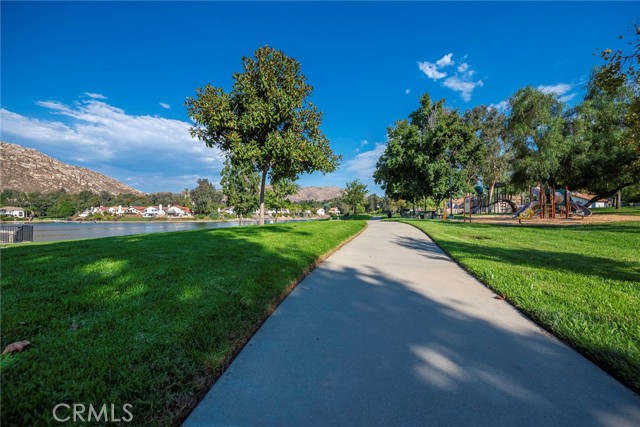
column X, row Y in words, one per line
column 266, row 122
column 205, row 197
column 426, row 152
column 354, row 194
column 536, row 128
column 489, row 126
column 605, row 151
column 240, row 185
column 605, row 138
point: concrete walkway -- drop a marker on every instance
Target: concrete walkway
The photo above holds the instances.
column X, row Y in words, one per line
column 390, row 332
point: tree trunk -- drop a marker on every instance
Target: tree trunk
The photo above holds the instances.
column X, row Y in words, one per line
column 240, row 218
column 265, row 169
column 608, row 193
column 618, row 199
column 491, row 190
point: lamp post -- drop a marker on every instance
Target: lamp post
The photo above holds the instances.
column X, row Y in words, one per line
column 450, row 188
column 450, row 183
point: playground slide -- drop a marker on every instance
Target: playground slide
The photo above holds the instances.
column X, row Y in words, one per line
column 533, row 205
column 579, row 209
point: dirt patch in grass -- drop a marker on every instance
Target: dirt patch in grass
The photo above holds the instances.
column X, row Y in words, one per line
column 573, row 220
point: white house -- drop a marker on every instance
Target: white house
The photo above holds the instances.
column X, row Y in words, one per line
column 583, row 198
column 13, row 211
column 320, row 211
column 334, row 210
column 179, row 211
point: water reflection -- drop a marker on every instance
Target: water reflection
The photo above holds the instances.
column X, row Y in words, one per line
column 46, row 232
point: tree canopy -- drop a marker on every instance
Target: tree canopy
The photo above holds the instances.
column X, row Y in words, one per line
column 354, row 194
column 240, row 185
column 266, row 122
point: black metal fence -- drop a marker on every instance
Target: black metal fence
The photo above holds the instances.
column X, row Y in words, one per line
column 16, row 233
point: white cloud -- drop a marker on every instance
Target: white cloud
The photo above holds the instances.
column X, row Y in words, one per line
column 95, row 95
column 558, row 89
column 462, row 81
column 561, row 90
column 165, row 105
column 501, row 106
column 364, row 164
column 431, row 70
column 445, row 61
column 153, row 150
column 407, row 91
column 464, row 86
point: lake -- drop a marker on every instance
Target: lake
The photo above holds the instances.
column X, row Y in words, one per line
column 50, row 231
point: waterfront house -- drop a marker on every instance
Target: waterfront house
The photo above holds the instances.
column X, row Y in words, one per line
column 13, row 211
column 179, row 211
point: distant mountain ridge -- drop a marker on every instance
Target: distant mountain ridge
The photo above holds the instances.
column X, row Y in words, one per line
column 28, row 170
column 317, row 194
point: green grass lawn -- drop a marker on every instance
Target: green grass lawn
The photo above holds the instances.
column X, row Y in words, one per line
column 148, row 320
column 625, row 210
column 580, row 282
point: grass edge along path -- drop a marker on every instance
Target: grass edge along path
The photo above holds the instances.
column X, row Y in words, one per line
column 589, row 301
column 150, row 320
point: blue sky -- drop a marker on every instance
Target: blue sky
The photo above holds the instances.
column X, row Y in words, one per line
column 102, row 85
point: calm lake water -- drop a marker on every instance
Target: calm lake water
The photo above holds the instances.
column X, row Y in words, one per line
column 46, row 232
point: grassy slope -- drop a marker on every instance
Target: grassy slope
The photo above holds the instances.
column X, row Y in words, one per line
column 158, row 315
column 580, row 282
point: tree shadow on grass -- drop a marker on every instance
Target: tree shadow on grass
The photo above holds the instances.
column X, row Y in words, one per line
column 365, row 347
column 582, row 264
column 146, row 320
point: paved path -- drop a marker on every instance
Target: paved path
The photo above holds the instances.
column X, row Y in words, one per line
column 390, row 332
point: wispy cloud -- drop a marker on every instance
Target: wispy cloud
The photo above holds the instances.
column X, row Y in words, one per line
column 445, row 61
column 95, row 95
column 562, row 90
column 407, row 91
column 558, row 89
column 165, row 105
column 431, row 70
column 461, row 81
column 462, row 85
column 154, row 151
column 364, row 164
column 501, row 106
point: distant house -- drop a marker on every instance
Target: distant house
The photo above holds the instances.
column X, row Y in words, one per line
column 101, row 210
column 583, row 198
column 13, row 211
column 135, row 210
column 334, row 211
column 179, row 211
column 320, row 211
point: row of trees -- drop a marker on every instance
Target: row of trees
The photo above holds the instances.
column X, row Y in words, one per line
column 593, row 146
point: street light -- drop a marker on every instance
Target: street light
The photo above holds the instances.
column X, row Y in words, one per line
column 450, row 183
column 450, row 188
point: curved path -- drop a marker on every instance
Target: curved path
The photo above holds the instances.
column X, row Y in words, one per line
column 390, row 332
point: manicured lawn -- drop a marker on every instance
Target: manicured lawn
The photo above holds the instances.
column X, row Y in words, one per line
column 625, row 210
column 148, row 320
column 580, row 282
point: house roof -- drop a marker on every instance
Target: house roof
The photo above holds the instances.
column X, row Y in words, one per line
column 587, row 196
column 11, row 208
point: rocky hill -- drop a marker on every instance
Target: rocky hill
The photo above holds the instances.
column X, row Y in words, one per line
column 29, row 170
column 318, row 194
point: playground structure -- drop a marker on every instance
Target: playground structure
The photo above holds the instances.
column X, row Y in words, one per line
column 548, row 202
column 501, row 202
